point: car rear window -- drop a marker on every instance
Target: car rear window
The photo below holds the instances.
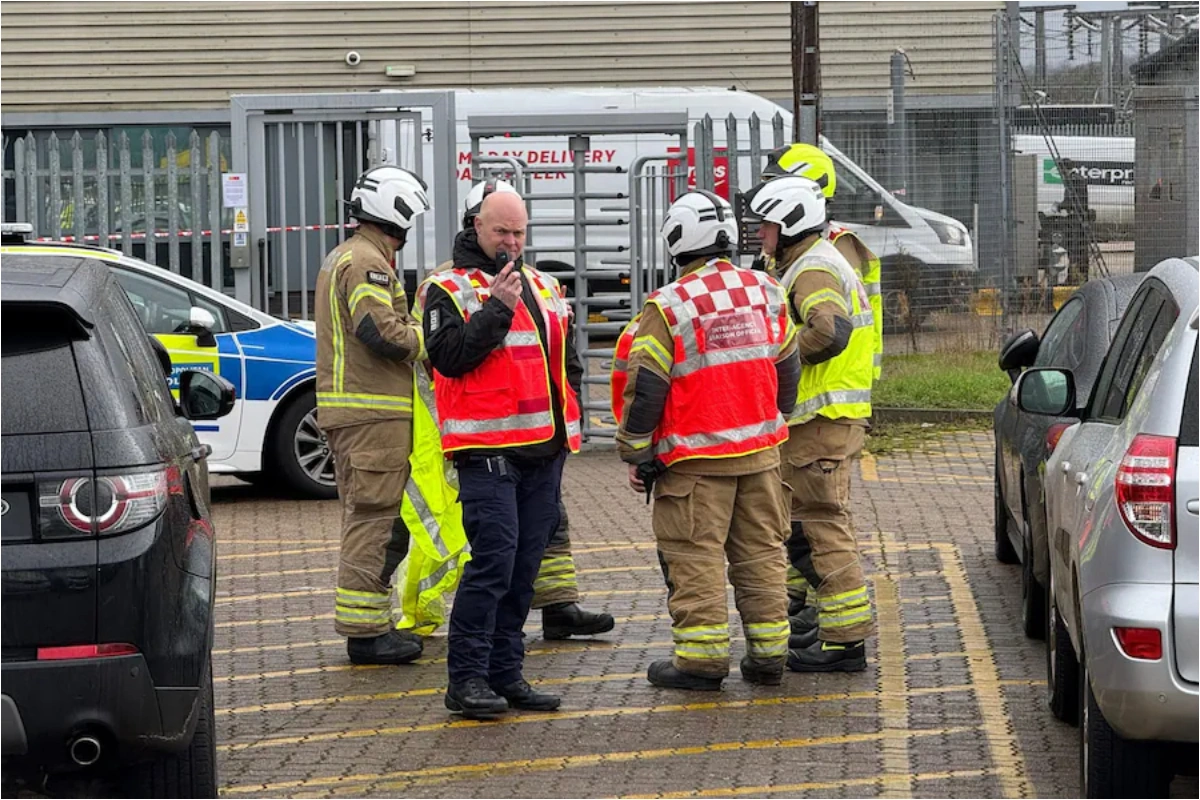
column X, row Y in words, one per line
column 1188, row 433
column 40, row 392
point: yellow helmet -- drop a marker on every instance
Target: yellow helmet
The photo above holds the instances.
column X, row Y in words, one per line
column 805, row 160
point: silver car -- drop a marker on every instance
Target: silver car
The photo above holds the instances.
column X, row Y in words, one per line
column 1121, row 512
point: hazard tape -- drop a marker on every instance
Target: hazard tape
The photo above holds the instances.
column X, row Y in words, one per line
column 113, row 237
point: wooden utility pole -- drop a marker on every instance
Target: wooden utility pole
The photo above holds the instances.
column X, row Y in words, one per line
column 806, row 72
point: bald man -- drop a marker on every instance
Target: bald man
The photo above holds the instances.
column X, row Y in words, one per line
column 498, row 335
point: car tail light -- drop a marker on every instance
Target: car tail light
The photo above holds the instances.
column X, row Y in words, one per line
column 1146, row 489
column 1053, row 435
column 84, row 651
column 1141, row 643
column 112, row 503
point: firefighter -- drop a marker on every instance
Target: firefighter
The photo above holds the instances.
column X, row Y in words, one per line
column 712, row 373
column 499, row 339
column 556, row 588
column 828, row 424
column 813, row 163
column 809, row 161
column 366, row 346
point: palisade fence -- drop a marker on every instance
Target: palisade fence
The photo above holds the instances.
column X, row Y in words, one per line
column 147, row 196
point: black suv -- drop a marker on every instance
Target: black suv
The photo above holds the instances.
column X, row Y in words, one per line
column 108, row 568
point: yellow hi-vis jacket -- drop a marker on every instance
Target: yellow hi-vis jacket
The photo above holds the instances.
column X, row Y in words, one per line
column 438, row 546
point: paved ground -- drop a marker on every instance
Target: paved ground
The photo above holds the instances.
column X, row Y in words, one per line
column 950, row 705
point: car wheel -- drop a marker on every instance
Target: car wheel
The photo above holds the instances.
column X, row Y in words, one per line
column 1110, row 765
column 299, row 452
column 1062, row 668
column 1033, row 597
column 192, row 773
column 1005, row 552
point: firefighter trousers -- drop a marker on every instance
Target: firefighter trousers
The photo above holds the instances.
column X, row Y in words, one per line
column 556, row 582
column 823, row 550
column 699, row 522
column 372, row 470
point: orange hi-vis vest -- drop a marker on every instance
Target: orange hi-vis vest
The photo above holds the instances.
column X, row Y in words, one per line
column 506, row 401
column 729, row 326
column 619, row 377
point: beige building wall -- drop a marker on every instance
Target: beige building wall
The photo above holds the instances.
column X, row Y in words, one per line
column 127, row 56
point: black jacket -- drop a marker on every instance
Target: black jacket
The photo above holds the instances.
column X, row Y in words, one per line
column 456, row 347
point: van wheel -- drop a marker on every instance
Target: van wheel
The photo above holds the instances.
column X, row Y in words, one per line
column 192, row 773
column 1110, row 765
column 298, row 453
column 1062, row 668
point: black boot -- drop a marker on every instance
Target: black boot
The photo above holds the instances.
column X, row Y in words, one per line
column 829, row 657
column 393, row 647
column 763, row 672
column 520, row 694
column 803, row 619
column 474, row 699
column 796, row 605
column 804, row 639
column 564, row 620
column 665, row 675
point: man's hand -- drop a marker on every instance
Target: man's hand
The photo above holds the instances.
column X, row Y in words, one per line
column 635, row 482
column 507, row 287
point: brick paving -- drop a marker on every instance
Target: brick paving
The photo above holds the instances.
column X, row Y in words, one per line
column 951, row 704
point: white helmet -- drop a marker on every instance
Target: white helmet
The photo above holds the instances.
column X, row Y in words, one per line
column 390, row 197
column 699, row 224
column 797, row 204
column 480, row 191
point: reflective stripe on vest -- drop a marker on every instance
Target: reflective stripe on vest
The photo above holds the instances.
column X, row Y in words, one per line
column 619, row 377
column 840, row 387
column 728, row 326
column 506, row 401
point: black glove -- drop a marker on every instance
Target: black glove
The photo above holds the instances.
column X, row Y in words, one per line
column 648, row 473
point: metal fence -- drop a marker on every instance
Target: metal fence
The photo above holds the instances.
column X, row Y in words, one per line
column 158, row 199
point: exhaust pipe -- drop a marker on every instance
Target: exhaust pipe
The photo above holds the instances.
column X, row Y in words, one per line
column 84, row 750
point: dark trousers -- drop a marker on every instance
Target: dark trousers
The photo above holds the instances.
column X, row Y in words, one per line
column 510, row 510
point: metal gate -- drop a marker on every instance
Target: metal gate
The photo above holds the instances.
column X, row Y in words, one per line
column 300, row 155
column 595, row 268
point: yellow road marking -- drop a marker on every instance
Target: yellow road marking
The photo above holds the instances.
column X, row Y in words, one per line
column 555, row 763
column 867, row 465
column 893, row 685
column 244, row 623
column 558, row 716
column 612, row 547
column 292, row 705
column 894, row 782
column 333, row 548
column 1002, row 744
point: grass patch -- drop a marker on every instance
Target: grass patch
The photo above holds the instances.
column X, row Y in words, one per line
column 915, row 436
column 940, row 380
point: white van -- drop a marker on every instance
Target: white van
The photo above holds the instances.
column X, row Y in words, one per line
column 1106, row 163
column 887, row 225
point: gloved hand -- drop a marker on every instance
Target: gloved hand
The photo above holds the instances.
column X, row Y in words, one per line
column 648, row 473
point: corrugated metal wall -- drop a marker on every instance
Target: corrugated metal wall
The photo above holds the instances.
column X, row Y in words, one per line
column 110, row 56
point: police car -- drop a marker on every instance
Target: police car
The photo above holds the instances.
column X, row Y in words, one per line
column 271, row 437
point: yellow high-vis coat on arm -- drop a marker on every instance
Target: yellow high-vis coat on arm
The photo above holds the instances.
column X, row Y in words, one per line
column 433, row 515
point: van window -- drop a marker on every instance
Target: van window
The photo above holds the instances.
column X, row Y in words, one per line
column 40, row 392
column 854, row 202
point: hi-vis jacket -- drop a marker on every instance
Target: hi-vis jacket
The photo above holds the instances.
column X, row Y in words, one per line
column 366, row 339
column 836, row 379
column 508, row 400
column 433, row 516
column 728, row 327
column 866, row 264
column 618, row 377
